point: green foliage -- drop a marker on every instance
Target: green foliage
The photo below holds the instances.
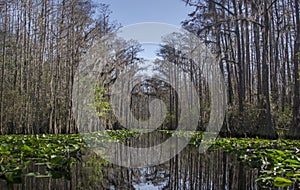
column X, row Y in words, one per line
column 283, row 119
column 278, row 161
column 121, row 135
column 91, row 167
column 101, row 103
column 56, row 152
column 251, row 116
column 249, row 119
column 13, row 105
column 170, row 118
column 282, row 182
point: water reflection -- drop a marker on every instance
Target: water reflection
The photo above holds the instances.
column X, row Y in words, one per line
column 187, row 170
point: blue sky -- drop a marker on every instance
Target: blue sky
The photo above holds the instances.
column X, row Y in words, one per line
column 127, row 12
column 136, row 11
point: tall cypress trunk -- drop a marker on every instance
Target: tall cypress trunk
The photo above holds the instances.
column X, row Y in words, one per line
column 265, row 128
column 295, row 129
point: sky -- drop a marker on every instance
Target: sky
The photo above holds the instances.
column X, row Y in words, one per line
column 128, row 12
column 135, row 11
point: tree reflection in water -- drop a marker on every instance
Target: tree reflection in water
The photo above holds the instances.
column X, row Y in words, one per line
column 188, row 170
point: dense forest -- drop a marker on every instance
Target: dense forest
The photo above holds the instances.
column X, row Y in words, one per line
column 41, row 46
column 257, row 42
column 258, row 45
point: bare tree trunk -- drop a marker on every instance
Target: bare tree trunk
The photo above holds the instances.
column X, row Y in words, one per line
column 3, row 6
column 295, row 130
column 266, row 126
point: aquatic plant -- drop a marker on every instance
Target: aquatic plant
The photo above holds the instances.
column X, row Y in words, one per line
column 278, row 161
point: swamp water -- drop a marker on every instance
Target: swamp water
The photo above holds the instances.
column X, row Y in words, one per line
column 187, row 170
column 215, row 170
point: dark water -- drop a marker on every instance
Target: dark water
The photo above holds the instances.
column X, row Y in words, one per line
column 187, row 170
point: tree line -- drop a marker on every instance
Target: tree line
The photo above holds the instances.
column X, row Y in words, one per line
column 256, row 42
column 41, row 46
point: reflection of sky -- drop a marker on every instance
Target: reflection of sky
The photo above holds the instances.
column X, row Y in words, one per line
column 142, row 183
column 148, row 186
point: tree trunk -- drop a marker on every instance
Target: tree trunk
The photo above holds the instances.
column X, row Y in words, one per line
column 295, row 129
column 265, row 128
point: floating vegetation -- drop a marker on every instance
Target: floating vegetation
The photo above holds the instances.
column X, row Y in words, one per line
column 56, row 152
column 278, row 161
